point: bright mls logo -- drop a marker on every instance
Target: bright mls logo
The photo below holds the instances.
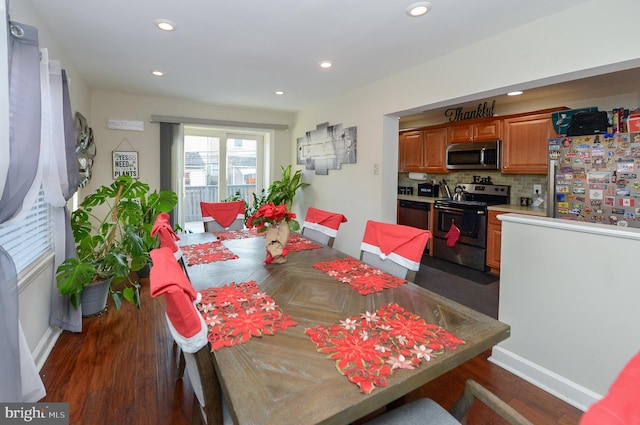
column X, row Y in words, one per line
column 34, row 413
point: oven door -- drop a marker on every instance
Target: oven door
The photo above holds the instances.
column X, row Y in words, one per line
column 471, row 222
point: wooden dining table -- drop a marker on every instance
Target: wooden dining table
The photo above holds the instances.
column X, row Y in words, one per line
column 283, row 378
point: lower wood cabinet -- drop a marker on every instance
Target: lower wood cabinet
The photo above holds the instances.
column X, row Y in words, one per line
column 494, row 241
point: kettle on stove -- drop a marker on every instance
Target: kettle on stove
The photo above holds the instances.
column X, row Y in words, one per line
column 459, row 194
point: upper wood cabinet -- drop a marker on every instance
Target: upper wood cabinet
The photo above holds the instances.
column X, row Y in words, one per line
column 423, row 150
column 411, row 153
column 476, row 131
column 435, row 142
column 525, row 143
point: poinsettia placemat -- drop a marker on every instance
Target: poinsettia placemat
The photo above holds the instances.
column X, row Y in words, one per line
column 207, row 252
column 237, row 234
column 236, row 312
column 362, row 277
column 368, row 348
column 298, row 243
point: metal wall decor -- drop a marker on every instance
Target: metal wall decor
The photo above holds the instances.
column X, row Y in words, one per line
column 459, row 114
column 327, row 148
column 85, row 148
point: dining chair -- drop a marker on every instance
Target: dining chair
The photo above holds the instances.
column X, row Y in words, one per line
column 424, row 411
column 222, row 216
column 394, row 248
column 189, row 331
column 322, row 226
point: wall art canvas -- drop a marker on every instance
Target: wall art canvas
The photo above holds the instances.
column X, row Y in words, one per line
column 327, row 148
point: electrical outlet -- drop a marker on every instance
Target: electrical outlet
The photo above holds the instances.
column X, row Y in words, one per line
column 537, row 189
column 376, row 169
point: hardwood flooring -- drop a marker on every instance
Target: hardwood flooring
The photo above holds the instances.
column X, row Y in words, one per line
column 122, row 370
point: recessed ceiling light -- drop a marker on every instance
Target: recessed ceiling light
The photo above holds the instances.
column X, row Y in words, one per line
column 514, row 93
column 165, row 25
column 279, row 92
column 157, row 73
column 326, row 64
column 419, row 8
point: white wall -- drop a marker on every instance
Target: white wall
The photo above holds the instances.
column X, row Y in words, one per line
column 570, row 293
column 549, row 50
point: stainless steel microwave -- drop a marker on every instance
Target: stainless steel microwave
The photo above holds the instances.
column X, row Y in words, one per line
column 474, row 155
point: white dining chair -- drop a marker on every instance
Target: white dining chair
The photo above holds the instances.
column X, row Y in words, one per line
column 322, row 226
column 425, row 411
column 189, row 331
column 222, row 216
column 394, row 248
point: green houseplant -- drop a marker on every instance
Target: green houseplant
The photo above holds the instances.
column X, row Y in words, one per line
column 279, row 192
column 112, row 237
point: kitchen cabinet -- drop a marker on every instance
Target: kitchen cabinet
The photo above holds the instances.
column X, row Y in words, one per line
column 411, row 153
column 476, row 131
column 525, row 143
column 494, row 241
column 423, row 150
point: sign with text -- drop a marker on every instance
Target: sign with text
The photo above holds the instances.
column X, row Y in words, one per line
column 34, row 413
column 125, row 164
column 459, row 114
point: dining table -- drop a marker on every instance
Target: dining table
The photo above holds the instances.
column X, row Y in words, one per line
column 290, row 376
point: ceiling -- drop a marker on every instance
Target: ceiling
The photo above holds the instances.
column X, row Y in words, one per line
column 240, row 52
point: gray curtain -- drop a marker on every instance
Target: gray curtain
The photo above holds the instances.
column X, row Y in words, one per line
column 24, row 106
column 170, row 137
column 20, row 380
column 61, row 178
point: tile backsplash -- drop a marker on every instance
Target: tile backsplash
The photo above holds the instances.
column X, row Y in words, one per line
column 521, row 184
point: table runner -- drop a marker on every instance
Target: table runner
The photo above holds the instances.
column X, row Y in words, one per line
column 237, row 234
column 207, row 252
column 362, row 277
column 298, row 243
column 236, row 312
column 368, row 348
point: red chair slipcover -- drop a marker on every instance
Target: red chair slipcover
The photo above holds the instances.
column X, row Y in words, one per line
column 165, row 232
column 323, row 221
column 222, row 212
column 621, row 405
column 185, row 322
column 403, row 245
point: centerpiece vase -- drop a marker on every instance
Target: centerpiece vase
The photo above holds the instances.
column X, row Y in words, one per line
column 276, row 238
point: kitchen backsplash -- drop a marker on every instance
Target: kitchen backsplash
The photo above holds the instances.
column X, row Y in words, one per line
column 521, row 184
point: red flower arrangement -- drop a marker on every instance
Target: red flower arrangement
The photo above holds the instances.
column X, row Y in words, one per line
column 270, row 215
column 368, row 348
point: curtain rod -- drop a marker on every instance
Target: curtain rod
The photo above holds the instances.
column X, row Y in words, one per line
column 225, row 123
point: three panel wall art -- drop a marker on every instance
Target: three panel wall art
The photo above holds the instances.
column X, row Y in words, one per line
column 327, row 148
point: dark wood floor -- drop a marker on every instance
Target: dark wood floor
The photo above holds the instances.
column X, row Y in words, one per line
column 122, row 370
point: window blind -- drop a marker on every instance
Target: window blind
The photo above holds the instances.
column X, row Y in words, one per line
column 30, row 239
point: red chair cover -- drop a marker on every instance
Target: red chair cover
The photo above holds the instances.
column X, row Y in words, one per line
column 403, row 245
column 165, row 232
column 621, row 405
column 223, row 212
column 323, row 221
column 168, row 279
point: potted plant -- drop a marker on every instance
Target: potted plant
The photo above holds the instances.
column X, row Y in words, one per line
column 152, row 205
column 282, row 191
column 108, row 229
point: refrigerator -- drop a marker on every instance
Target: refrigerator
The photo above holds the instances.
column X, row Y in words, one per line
column 595, row 179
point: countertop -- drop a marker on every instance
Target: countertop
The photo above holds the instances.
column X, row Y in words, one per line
column 507, row 208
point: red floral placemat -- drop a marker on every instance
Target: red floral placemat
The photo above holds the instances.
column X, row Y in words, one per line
column 298, row 243
column 236, row 312
column 363, row 278
column 208, row 252
column 237, row 234
column 368, row 348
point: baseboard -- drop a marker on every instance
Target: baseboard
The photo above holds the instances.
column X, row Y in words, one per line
column 42, row 351
column 556, row 385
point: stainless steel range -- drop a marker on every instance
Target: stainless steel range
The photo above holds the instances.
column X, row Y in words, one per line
column 470, row 217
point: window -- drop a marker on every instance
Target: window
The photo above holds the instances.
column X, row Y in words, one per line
column 218, row 165
column 27, row 241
